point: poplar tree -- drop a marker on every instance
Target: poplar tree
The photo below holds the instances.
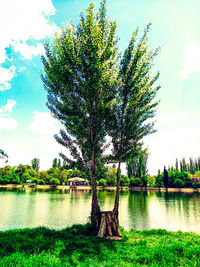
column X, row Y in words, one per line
column 177, row 169
column 35, row 164
column 135, row 105
column 80, row 79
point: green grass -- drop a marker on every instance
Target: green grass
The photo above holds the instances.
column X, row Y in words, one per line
column 78, row 246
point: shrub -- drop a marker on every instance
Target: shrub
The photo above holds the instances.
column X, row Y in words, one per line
column 179, row 183
column 196, row 184
column 14, row 179
column 135, row 181
column 6, row 179
column 41, row 182
column 54, row 181
column 35, row 180
column 124, row 181
column 159, row 180
column 25, row 177
column 102, row 182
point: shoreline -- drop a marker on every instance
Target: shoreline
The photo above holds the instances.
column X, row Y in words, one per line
column 100, row 188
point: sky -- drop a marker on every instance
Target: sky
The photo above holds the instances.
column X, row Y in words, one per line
column 26, row 125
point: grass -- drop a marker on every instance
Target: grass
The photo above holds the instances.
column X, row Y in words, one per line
column 78, row 246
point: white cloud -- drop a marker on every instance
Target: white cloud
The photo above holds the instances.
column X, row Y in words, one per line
column 191, row 59
column 21, row 69
column 8, row 107
column 21, row 21
column 43, row 123
column 5, row 76
column 7, row 123
column 28, row 51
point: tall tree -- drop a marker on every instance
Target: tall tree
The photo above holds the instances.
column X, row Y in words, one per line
column 135, row 105
column 80, row 79
column 191, row 166
column 137, row 166
column 35, row 164
column 177, row 169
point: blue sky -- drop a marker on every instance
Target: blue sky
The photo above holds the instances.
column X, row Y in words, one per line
column 26, row 126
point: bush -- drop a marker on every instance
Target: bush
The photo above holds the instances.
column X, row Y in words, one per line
column 41, row 182
column 14, row 178
column 159, row 180
column 179, row 183
column 35, row 180
column 135, row 181
column 124, row 181
column 54, row 181
column 25, row 177
column 102, row 182
column 196, row 185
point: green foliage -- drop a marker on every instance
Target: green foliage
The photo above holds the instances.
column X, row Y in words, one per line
column 41, row 182
column 3, row 155
column 124, row 180
column 14, row 178
column 135, row 182
column 137, row 165
column 159, row 180
column 179, row 183
column 54, row 181
column 102, row 182
column 35, row 180
column 35, row 164
column 25, row 177
column 43, row 175
column 80, row 79
column 111, row 176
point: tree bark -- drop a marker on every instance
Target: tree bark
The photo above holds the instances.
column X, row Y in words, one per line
column 109, row 226
column 116, row 206
column 95, row 213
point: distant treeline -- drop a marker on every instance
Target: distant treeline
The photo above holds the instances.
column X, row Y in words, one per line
column 182, row 174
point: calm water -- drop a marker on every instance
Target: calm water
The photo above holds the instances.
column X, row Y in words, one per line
column 139, row 210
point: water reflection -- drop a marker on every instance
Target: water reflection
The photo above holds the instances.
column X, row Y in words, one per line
column 61, row 208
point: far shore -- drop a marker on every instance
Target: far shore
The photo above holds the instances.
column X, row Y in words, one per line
column 107, row 188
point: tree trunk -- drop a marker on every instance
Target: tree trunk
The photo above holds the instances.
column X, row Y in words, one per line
column 95, row 213
column 109, row 226
column 116, row 207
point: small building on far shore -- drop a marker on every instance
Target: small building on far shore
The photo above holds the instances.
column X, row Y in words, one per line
column 77, row 181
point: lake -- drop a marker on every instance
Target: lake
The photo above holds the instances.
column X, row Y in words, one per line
column 62, row 208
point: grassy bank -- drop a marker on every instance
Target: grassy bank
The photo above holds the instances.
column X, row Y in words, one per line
column 77, row 246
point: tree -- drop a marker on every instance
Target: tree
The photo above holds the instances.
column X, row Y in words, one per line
column 80, row 79
column 177, row 169
column 56, row 163
column 137, row 165
column 35, row 164
column 135, row 106
column 93, row 95
column 3, row 155
column 165, row 178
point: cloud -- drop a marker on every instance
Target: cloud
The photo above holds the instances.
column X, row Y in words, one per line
column 21, row 69
column 22, row 21
column 8, row 107
column 191, row 59
column 28, row 51
column 6, row 122
column 43, row 123
column 5, row 76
